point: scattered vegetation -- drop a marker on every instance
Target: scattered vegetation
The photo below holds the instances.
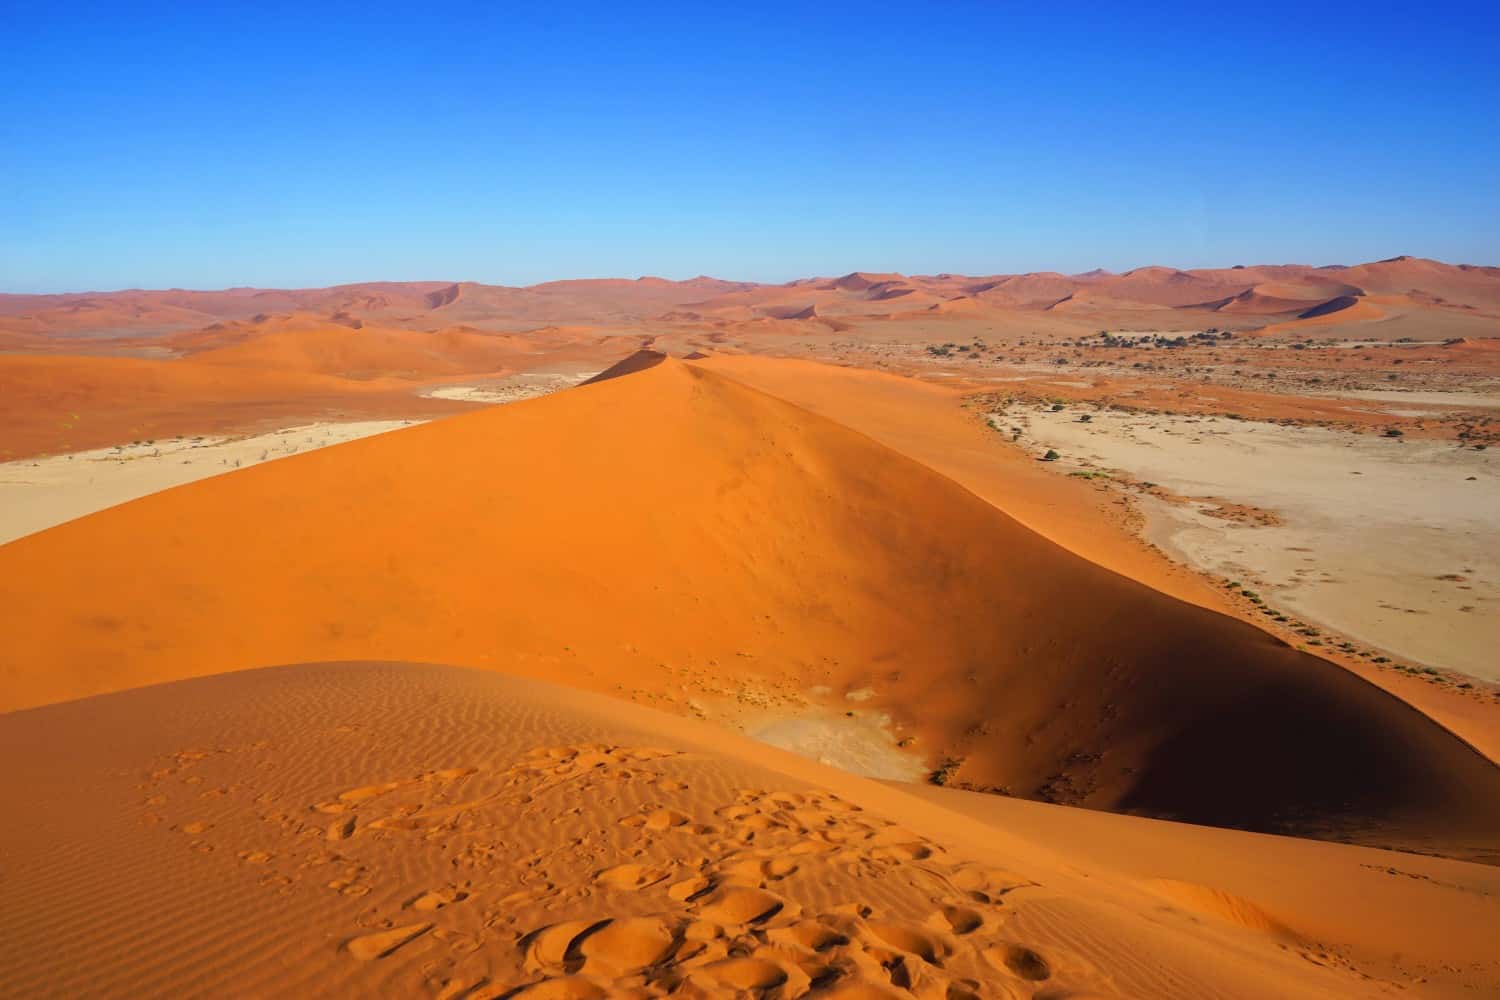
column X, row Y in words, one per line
column 945, row 771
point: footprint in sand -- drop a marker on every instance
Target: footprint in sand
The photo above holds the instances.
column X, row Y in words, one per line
column 688, row 889
column 631, row 876
column 625, row 945
column 368, row 947
column 566, row 988
column 657, row 820
column 751, row 975
column 1022, row 962
column 436, row 899
column 731, row 904
column 754, row 871
column 912, row 939
column 959, row 920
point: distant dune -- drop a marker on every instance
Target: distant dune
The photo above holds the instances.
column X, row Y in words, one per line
column 1145, row 297
column 1090, row 300
column 61, row 403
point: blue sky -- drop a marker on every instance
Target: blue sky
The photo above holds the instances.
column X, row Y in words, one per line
column 307, row 144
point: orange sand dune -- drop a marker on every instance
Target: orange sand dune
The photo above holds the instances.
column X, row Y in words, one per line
column 1475, row 286
column 401, row 830
column 362, row 351
column 51, row 404
column 875, row 295
column 1027, row 289
column 1275, row 297
column 958, row 304
column 1087, row 299
column 1344, row 309
column 1165, row 286
column 670, row 531
column 862, row 281
column 622, row 305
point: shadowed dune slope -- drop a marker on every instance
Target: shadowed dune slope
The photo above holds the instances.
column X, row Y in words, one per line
column 383, row 829
column 670, row 532
column 637, row 362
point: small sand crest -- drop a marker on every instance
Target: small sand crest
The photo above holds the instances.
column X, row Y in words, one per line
column 1220, row 905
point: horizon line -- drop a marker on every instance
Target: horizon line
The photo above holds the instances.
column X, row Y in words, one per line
column 938, row 275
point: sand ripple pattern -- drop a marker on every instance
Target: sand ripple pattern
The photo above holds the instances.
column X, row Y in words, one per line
column 636, row 884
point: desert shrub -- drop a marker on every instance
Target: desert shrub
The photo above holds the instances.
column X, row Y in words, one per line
column 944, row 772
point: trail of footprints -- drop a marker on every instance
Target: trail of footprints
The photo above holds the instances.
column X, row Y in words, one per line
column 744, row 903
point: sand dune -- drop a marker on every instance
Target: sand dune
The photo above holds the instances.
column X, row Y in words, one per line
column 1148, row 297
column 1091, row 300
column 564, row 537
column 53, row 404
column 1348, row 309
column 1333, row 305
column 1279, row 297
column 328, row 347
column 389, row 829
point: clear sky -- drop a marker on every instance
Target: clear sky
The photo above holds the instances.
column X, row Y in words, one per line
column 306, row 144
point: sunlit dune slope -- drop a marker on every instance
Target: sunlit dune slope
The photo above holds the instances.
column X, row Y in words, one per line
column 381, row 829
column 668, row 532
column 355, row 350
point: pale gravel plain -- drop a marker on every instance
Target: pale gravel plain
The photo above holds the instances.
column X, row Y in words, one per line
column 40, row 493
column 1392, row 542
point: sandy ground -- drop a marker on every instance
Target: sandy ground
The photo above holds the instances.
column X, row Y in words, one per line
column 36, row 494
column 857, row 742
column 1419, row 398
column 1393, row 543
column 417, row 830
column 511, row 388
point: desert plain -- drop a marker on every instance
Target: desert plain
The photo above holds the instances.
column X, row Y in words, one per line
column 1038, row 635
